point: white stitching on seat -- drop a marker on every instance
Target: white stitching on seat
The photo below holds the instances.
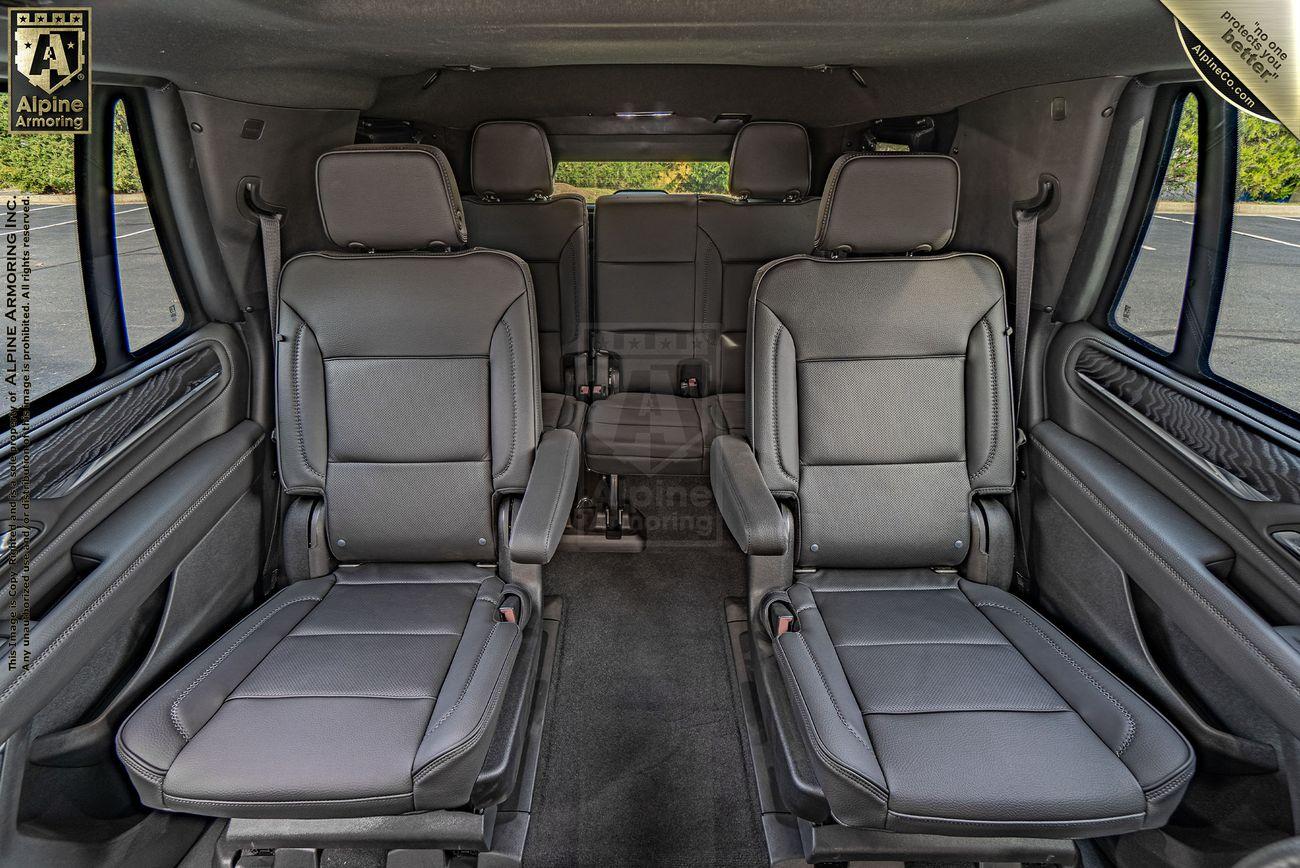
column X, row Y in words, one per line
column 297, row 401
column 176, row 704
column 826, row 685
column 468, row 680
column 1170, row 786
column 993, row 393
column 514, row 397
column 128, row 572
column 1131, row 728
column 555, row 507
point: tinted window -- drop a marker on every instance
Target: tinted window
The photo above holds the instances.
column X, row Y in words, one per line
column 38, row 233
column 596, row 179
column 1149, row 305
column 1257, row 333
column 149, row 301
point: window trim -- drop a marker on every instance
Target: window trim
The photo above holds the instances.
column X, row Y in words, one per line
column 148, row 164
column 1216, row 180
column 1171, row 109
column 97, row 245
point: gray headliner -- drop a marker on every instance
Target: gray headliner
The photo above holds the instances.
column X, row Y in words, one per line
column 915, row 55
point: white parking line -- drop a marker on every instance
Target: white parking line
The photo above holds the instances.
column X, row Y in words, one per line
column 48, row 207
column 1278, row 217
column 70, row 222
column 137, row 232
column 1239, row 232
column 1147, row 247
column 1262, row 238
column 1172, row 219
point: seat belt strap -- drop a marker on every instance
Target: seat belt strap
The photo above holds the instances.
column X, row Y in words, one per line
column 270, row 223
column 1026, row 217
column 1026, row 247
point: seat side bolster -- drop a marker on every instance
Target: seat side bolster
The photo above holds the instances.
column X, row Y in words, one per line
column 300, row 406
column 547, row 499
column 457, row 737
column 1155, row 752
column 990, row 420
column 746, row 503
column 153, row 736
column 774, row 426
column 847, row 765
column 516, row 411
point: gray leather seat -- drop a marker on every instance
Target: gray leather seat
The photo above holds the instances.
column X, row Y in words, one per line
column 768, row 215
column 673, row 277
column 879, row 396
column 515, row 209
column 407, row 401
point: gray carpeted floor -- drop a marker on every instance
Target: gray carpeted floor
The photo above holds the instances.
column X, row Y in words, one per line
column 643, row 762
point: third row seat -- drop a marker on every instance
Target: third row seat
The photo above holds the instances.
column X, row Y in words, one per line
column 672, row 282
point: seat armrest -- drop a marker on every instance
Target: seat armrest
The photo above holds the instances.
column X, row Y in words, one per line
column 746, row 504
column 540, row 521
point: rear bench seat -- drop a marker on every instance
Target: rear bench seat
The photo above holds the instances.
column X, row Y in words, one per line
column 673, row 277
column 514, row 209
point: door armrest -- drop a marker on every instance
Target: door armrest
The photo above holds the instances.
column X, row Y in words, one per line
column 545, row 510
column 746, row 503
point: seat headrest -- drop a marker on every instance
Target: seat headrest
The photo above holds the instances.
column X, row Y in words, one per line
column 889, row 203
column 511, row 161
column 771, row 160
column 389, row 197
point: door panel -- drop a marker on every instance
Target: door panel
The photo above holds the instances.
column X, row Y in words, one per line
column 145, row 492
column 1172, row 492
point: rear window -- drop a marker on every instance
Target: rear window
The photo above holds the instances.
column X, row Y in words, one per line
column 595, row 179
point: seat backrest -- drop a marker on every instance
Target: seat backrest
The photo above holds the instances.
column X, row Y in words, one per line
column 515, row 209
column 407, row 390
column 879, row 384
column 646, row 307
column 674, row 272
column 769, row 215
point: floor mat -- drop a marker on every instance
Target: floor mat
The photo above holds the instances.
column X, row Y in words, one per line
column 643, row 760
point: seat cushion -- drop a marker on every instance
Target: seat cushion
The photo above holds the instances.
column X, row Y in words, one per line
column 371, row 691
column 649, row 434
column 938, row 705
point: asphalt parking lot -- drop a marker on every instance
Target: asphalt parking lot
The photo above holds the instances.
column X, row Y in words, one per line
column 61, row 349
column 1258, row 340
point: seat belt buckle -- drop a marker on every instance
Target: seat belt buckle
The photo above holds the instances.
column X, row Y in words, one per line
column 582, row 374
column 786, row 624
column 601, row 375
column 510, row 609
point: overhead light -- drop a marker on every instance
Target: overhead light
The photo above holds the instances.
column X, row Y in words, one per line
column 628, row 116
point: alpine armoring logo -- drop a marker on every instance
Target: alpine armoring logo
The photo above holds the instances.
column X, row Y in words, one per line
column 49, row 70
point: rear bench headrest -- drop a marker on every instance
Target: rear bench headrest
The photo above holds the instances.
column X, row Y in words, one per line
column 389, row 197
column 888, row 203
column 511, row 160
column 771, row 160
